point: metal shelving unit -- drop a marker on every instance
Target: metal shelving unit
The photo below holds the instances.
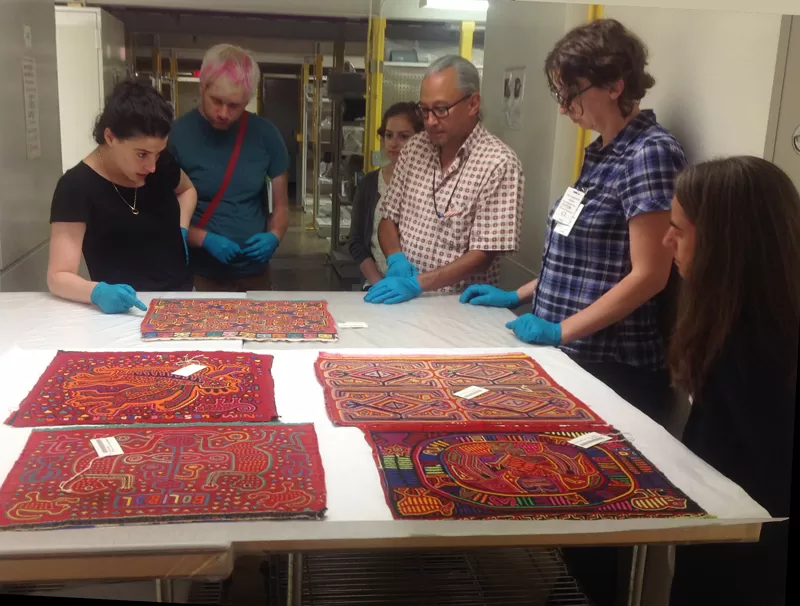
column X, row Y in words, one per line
column 348, row 159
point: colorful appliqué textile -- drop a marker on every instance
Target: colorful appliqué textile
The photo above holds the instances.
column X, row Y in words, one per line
column 165, row 474
column 419, row 393
column 99, row 388
column 187, row 319
column 532, row 476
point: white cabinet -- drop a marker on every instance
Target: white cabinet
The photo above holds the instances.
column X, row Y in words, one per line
column 91, row 60
column 786, row 152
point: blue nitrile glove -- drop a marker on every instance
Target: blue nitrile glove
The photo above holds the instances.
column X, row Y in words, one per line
column 261, row 247
column 221, row 248
column 532, row 329
column 490, row 296
column 398, row 266
column 394, row 290
column 185, row 234
column 115, row 298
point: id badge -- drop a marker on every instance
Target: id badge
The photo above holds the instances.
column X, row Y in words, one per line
column 568, row 206
column 564, row 229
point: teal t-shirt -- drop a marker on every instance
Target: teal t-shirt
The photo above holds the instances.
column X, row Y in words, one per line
column 203, row 153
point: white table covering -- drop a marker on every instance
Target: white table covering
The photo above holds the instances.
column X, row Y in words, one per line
column 33, row 326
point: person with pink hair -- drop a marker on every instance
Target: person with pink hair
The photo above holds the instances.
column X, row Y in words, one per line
column 230, row 154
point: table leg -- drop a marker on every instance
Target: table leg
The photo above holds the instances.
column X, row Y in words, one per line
column 164, row 591
column 637, row 575
column 294, row 594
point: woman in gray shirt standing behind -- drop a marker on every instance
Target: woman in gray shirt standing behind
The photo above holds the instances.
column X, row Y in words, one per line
column 400, row 122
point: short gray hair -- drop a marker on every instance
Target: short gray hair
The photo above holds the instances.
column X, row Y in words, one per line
column 467, row 77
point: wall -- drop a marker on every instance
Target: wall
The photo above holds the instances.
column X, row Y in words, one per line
column 26, row 186
column 714, row 73
column 521, row 35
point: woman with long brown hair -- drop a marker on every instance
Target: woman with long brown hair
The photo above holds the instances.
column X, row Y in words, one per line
column 735, row 237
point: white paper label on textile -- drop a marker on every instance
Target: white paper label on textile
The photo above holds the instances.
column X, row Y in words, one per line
column 106, row 447
column 352, row 324
column 471, row 393
column 188, row 371
column 568, row 205
column 589, row 439
column 565, row 229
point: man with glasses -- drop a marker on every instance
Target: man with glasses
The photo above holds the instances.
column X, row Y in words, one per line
column 454, row 205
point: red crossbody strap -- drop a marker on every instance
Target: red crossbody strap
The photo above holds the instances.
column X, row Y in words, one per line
column 228, row 173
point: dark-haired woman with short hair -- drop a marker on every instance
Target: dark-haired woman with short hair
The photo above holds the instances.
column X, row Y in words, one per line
column 126, row 207
column 735, row 236
column 603, row 263
column 400, row 122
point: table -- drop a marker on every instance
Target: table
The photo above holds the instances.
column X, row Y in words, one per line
column 33, row 326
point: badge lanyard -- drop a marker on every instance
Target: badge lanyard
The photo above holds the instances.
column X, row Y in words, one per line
column 461, row 171
column 565, row 214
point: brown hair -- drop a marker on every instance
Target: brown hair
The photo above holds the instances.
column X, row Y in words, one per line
column 407, row 109
column 603, row 52
column 744, row 275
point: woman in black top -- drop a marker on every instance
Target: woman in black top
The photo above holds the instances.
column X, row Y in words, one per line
column 126, row 207
column 735, row 236
column 400, row 122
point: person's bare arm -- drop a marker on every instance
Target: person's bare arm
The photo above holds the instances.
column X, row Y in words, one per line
column 470, row 263
column 279, row 222
column 370, row 271
column 525, row 292
column 651, row 263
column 187, row 199
column 389, row 237
column 66, row 244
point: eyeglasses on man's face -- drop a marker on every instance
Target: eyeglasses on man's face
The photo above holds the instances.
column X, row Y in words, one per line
column 566, row 101
column 440, row 111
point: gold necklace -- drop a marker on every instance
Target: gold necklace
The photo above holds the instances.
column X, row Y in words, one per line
column 133, row 208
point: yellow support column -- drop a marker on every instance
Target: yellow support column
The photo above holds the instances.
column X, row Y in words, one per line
column 466, row 40
column 376, row 52
column 596, row 11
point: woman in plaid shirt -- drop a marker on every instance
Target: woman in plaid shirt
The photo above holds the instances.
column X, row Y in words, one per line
column 603, row 261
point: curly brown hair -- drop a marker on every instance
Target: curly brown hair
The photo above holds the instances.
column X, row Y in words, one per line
column 743, row 277
column 602, row 52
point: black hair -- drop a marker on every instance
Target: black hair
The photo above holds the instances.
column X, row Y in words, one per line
column 407, row 109
column 134, row 109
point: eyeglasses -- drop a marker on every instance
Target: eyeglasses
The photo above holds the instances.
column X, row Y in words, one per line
column 567, row 101
column 440, row 112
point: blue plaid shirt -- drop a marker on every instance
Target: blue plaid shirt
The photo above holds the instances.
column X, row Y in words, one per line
column 634, row 174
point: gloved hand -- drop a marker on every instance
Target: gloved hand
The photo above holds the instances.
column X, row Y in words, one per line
column 398, row 266
column 221, row 248
column 185, row 234
column 394, row 290
column 115, row 298
column 490, row 296
column 532, row 329
column 261, row 247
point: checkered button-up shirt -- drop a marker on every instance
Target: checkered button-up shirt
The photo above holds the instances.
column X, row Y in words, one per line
column 479, row 198
column 634, row 174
